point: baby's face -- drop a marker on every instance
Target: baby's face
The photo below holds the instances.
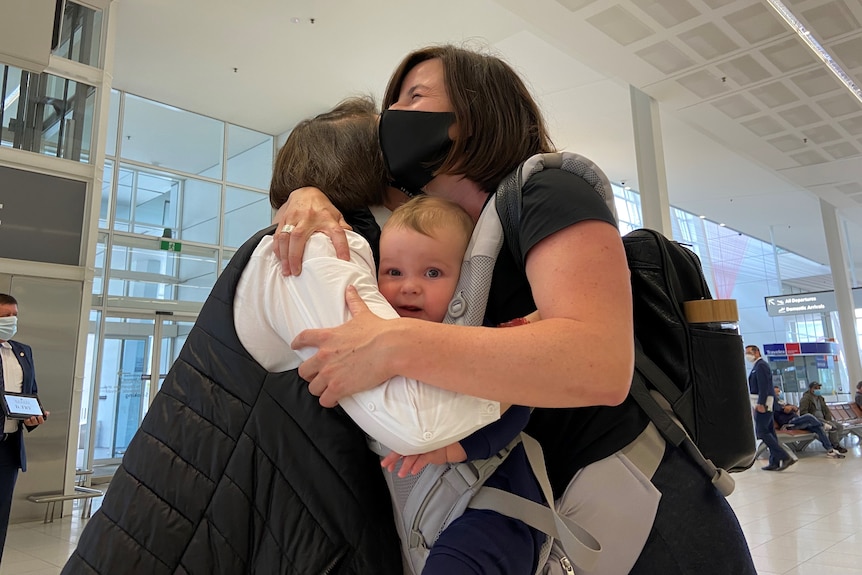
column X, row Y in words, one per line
column 419, row 274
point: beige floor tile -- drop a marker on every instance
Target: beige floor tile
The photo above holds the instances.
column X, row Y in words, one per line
column 804, row 521
column 813, row 569
column 773, row 564
column 29, row 566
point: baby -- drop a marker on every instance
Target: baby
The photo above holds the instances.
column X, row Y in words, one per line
column 422, row 245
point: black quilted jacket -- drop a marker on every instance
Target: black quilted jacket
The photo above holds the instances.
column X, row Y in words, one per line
column 237, row 470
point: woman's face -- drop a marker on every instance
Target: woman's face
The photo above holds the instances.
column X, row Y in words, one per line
column 424, row 89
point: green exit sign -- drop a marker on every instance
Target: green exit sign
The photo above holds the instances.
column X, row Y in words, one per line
column 170, row 246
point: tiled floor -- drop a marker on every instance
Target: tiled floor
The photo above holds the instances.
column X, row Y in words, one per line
column 803, row 521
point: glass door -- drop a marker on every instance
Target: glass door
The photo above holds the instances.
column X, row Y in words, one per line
column 171, row 333
column 126, row 355
column 135, row 353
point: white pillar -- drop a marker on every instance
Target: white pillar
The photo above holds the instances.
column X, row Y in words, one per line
column 837, row 249
column 652, row 178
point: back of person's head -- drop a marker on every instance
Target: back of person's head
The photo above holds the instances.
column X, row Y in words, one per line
column 859, row 386
column 6, row 299
column 337, row 152
column 428, row 215
column 500, row 124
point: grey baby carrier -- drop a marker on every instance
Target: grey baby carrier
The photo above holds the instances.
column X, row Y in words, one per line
column 428, row 503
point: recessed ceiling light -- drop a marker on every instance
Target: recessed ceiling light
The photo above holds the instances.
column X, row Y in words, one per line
column 627, row 187
column 722, row 225
column 702, row 217
column 295, row 20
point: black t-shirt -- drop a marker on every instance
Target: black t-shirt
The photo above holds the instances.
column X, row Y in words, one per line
column 572, row 437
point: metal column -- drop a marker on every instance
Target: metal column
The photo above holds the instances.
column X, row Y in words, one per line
column 843, row 295
column 652, row 178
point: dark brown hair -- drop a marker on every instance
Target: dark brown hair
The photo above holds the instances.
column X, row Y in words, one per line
column 6, row 299
column 337, row 152
column 499, row 122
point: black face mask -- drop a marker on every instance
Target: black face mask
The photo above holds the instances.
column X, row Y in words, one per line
column 414, row 145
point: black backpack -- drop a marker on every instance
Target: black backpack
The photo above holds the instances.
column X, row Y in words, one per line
column 691, row 374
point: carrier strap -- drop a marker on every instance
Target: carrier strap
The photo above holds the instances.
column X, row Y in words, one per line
column 671, row 429
column 581, row 548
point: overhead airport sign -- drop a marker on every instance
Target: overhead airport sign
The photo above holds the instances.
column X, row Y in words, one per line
column 801, row 303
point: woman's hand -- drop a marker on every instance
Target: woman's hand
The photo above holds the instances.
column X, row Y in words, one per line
column 307, row 210
column 413, row 464
column 347, row 361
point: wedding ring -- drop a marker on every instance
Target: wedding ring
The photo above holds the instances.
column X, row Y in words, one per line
column 287, row 228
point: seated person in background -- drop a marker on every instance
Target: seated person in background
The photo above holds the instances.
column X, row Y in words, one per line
column 859, row 394
column 814, row 403
column 422, row 245
column 787, row 417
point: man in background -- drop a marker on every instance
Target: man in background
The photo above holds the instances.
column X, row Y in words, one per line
column 763, row 401
column 16, row 376
column 815, row 404
column 787, row 417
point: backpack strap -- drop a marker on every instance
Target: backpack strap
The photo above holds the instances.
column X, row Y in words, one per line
column 509, row 202
column 509, row 199
column 659, row 410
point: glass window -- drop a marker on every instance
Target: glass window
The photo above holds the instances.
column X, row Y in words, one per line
column 123, row 203
column 52, row 114
column 628, row 208
column 107, row 184
column 228, row 254
column 47, row 114
column 200, row 206
column 80, row 35
column 245, row 213
column 87, row 393
column 160, row 135
column 249, row 157
column 166, row 205
column 12, row 106
column 146, row 201
column 99, row 272
column 141, row 269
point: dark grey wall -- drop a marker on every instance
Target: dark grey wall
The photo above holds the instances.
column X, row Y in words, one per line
column 42, row 217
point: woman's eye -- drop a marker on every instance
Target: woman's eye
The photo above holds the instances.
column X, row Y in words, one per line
column 433, row 273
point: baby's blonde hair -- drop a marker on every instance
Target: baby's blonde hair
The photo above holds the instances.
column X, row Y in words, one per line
column 425, row 214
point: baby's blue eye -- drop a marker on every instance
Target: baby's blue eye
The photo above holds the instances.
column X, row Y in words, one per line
column 433, row 273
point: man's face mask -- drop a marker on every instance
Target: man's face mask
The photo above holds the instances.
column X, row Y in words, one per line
column 8, row 327
column 818, row 392
column 749, row 357
column 414, row 145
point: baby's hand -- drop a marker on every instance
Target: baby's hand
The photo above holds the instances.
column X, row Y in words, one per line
column 413, row 464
